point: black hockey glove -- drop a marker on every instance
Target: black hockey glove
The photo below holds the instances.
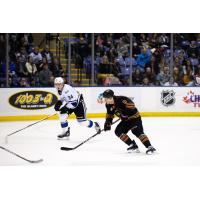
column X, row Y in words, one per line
column 58, row 105
column 64, row 110
column 107, row 126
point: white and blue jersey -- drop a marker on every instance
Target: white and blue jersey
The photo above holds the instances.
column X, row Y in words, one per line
column 69, row 97
column 74, row 103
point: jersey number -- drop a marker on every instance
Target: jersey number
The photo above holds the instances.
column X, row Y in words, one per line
column 70, row 97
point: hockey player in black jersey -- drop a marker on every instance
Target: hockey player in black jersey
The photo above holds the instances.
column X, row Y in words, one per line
column 124, row 108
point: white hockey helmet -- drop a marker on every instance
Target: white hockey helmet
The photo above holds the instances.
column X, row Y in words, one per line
column 58, row 80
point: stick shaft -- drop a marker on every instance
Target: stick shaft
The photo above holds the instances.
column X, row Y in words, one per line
column 31, row 125
column 19, row 156
column 68, row 149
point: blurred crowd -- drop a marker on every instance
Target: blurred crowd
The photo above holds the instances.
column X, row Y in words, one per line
column 28, row 66
column 149, row 62
column 150, row 59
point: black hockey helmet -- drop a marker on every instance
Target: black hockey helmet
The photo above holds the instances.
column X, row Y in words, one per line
column 108, row 93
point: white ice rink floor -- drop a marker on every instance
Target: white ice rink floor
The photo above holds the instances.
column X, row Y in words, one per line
column 177, row 141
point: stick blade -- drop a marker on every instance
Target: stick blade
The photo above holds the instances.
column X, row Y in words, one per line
column 36, row 161
column 66, row 148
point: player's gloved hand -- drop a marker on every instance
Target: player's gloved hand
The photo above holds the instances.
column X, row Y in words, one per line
column 64, row 110
column 107, row 126
column 58, row 105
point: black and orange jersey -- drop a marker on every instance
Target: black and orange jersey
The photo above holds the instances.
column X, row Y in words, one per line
column 123, row 107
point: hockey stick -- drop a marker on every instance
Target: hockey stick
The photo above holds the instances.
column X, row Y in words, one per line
column 30, row 161
column 6, row 139
column 69, row 149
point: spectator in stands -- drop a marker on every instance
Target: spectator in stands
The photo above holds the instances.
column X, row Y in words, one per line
column 193, row 51
column 163, row 76
column 146, row 82
column 32, row 71
column 57, row 68
column 187, row 64
column 152, row 40
column 116, row 70
column 105, row 67
column 197, row 78
column 21, row 59
column 197, row 69
column 187, row 76
column 83, row 49
column 44, row 62
column 12, row 67
column 160, row 58
column 45, row 76
column 99, row 44
column 163, row 39
column 111, row 80
column 181, row 55
column 177, row 62
column 37, row 57
column 143, row 59
column 28, row 37
column 24, row 82
column 22, row 42
column 136, row 50
column 13, row 80
column 112, row 54
column 109, row 40
column 22, row 56
column 153, row 65
column 137, row 77
column 140, row 38
column 149, row 74
column 48, row 55
column 31, row 67
column 171, row 83
column 51, row 81
column 176, row 76
column 14, row 46
column 25, row 40
column 122, row 47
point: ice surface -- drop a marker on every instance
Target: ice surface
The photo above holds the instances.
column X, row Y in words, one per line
column 177, row 141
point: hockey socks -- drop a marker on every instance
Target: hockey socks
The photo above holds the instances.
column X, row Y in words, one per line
column 145, row 140
column 126, row 139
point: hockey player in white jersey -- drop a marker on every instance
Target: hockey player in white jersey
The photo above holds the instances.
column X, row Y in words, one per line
column 70, row 102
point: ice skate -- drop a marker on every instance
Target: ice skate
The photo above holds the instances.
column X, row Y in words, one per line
column 150, row 150
column 64, row 135
column 133, row 148
column 97, row 127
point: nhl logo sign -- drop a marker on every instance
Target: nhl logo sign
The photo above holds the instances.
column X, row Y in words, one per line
column 168, row 97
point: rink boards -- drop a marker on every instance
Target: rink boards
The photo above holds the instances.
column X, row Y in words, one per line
column 35, row 103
